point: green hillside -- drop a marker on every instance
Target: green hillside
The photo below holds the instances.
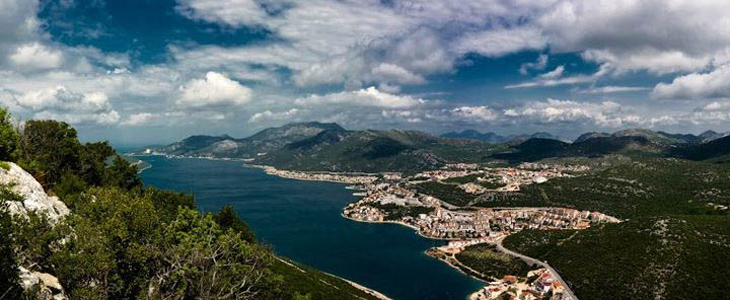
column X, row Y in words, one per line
column 667, row 257
column 639, row 188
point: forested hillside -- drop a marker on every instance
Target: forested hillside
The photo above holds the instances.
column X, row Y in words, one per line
column 122, row 240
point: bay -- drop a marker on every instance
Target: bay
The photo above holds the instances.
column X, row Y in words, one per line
column 301, row 220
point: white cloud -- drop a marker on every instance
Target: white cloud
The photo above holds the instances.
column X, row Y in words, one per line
column 394, row 73
column 268, row 115
column 215, row 90
column 234, row 13
column 140, row 119
column 59, row 103
column 715, row 84
column 604, row 114
column 557, row 73
column 553, row 80
column 613, row 89
column 499, row 42
column 656, row 35
column 370, row 97
column 36, row 56
column 475, row 113
column 539, row 64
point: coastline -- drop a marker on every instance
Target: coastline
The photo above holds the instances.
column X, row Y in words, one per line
column 367, row 290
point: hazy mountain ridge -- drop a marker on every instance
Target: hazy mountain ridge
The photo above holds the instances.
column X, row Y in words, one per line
column 329, row 147
column 495, row 138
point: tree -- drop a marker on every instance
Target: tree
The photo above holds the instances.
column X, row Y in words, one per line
column 9, row 286
column 122, row 174
column 93, row 158
column 227, row 218
column 49, row 149
column 8, row 136
column 203, row 261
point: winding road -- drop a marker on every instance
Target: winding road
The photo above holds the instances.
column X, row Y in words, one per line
column 531, row 260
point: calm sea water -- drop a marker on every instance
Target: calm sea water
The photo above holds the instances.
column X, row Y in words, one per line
column 302, row 221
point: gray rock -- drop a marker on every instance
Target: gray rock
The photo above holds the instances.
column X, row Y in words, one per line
column 34, row 197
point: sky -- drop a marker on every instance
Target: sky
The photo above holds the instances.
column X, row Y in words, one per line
column 139, row 72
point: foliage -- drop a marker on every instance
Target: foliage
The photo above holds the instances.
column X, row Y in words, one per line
column 166, row 203
column 200, row 260
column 35, row 240
column 448, row 193
column 122, row 174
column 227, row 218
column 49, row 149
column 640, row 188
column 484, row 259
column 69, row 187
column 303, row 282
column 9, row 286
column 667, row 257
column 8, row 136
column 114, row 237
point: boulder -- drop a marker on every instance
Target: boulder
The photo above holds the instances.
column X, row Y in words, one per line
column 46, row 286
column 34, row 197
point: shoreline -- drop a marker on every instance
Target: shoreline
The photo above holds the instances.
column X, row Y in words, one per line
column 416, row 229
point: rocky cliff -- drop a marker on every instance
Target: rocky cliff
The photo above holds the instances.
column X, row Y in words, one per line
column 35, row 199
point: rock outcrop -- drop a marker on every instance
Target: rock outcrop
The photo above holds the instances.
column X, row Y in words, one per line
column 45, row 285
column 34, row 197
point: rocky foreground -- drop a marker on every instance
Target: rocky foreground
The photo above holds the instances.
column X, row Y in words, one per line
column 34, row 199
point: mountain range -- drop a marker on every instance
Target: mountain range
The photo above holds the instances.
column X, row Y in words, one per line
column 315, row 146
column 491, row 137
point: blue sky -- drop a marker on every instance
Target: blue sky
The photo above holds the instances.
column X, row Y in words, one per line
column 138, row 72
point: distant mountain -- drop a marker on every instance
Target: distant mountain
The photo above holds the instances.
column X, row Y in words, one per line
column 375, row 151
column 489, row 137
column 717, row 150
column 264, row 141
column 536, row 149
column 329, row 147
column 590, row 135
column 494, row 138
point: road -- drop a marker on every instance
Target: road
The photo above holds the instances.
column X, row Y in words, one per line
column 531, row 260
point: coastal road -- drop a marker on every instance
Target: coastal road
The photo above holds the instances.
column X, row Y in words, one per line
column 531, row 260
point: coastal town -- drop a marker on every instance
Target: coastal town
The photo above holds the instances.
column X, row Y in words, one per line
column 394, row 198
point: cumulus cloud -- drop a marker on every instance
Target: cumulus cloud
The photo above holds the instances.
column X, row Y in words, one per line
column 499, row 42
column 394, row 73
column 62, row 104
column 36, row 56
column 604, row 114
column 632, row 35
column 139, row 119
column 215, row 90
column 369, row 97
column 714, row 84
column 268, row 115
column 477, row 113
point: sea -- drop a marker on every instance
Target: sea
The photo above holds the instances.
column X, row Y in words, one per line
column 301, row 220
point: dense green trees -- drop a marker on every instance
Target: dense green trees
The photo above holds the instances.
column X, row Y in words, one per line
column 9, row 287
column 8, row 136
column 227, row 218
column 123, row 241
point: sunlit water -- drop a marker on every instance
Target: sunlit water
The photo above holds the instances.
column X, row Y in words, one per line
column 301, row 220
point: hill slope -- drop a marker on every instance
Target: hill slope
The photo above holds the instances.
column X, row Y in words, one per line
column 667, row 257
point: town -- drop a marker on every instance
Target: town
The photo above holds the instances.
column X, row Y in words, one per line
column 425, row 202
